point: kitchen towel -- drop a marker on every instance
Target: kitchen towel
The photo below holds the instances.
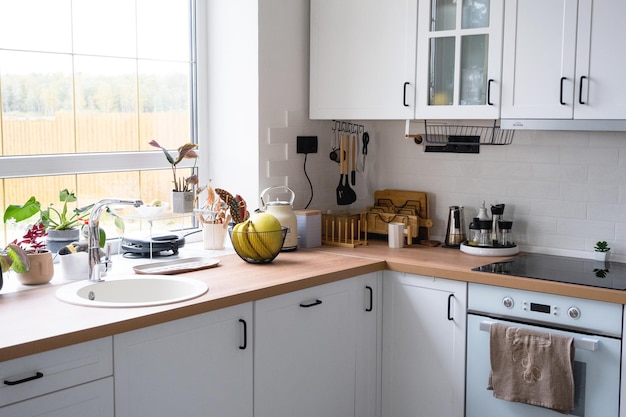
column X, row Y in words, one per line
column 532, row 367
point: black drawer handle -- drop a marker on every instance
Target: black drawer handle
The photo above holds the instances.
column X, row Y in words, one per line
column 245, row 334
column 561, row 92
column 489, row 102
column 314, row 303
column 580, row 90
column 404, row 95
column 371, row 292
column 450, row 297
column 21, row 381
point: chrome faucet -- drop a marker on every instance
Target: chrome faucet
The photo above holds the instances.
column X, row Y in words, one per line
column 96, row 267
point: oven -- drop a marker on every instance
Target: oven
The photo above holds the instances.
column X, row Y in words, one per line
column 595, row 326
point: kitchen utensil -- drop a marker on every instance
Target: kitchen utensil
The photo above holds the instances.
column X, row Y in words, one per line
column 282, row 209
column 396, row 235
column 455, row 233
column 341, row 189
column 353, row 159
column 350, row 193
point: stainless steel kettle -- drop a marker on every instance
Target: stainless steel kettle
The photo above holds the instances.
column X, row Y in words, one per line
column 455, row 233
column 283, row 210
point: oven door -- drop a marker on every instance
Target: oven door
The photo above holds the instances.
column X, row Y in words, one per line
column 596, row 375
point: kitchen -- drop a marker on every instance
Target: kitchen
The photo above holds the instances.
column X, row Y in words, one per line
column 555, row 184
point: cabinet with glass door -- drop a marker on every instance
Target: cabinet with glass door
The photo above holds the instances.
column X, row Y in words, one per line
column 459, row 59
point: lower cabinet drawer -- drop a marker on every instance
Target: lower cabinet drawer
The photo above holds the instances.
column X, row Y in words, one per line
column 55, row 370
column 93, row 399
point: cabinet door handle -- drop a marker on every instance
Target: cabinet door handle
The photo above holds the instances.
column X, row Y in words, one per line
column 245, row 334
column 404, row 94
column 311, row 304
column 580, row 90
column 489, row 92
column 450, row 297
column 371, row 292
column 561, row 91
column 21, row 381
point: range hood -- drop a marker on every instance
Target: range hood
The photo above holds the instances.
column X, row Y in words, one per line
column 564, row 124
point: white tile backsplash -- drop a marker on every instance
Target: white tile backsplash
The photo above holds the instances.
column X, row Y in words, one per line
column 563, row 190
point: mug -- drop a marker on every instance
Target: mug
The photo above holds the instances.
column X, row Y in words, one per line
column 396, row 235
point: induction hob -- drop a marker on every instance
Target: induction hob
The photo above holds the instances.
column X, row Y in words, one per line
column 579, row 271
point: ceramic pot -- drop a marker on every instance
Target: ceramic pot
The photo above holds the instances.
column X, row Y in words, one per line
column 41, row 269
column 213, row 235
column 58, row 239
column 601, row 256
column 182, row 201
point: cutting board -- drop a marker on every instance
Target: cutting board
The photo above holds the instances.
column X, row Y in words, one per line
column 404, row 206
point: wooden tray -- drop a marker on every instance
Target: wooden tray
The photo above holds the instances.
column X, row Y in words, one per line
column 176, row 267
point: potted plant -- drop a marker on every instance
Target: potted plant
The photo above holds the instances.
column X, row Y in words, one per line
column 182, row 194
column 41, row 269
column 602, row 250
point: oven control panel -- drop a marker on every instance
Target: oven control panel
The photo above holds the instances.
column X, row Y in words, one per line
column 546, row 308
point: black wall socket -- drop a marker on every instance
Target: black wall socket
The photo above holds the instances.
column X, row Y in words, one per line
column 306, row 144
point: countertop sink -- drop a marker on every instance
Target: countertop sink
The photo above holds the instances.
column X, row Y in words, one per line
column 132, row 291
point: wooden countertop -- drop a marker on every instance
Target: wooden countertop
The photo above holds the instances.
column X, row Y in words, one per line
column 36, row 321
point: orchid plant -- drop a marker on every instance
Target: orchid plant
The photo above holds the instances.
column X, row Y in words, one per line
column 186, row 151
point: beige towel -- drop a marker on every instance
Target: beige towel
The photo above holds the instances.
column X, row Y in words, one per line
column 532, row 367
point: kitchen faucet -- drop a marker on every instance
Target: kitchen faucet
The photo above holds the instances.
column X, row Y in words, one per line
column 96, row 267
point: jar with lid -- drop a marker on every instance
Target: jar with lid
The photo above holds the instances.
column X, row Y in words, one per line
column 506, row 238
column 484, row 237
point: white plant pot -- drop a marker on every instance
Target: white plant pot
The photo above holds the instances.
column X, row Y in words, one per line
column 213, row 235
column 601, row 256
column 182, row 201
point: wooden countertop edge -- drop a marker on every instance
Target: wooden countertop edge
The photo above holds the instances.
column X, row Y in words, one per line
column 162, row 314
column 435, row 262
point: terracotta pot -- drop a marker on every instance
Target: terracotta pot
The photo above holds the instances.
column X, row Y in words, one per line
column 41, row 269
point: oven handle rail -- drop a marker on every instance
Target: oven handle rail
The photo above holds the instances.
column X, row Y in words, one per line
column 584, row 343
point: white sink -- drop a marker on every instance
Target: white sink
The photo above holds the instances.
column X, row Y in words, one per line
column 132, row 291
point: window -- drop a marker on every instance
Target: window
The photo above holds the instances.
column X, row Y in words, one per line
column 85, row 85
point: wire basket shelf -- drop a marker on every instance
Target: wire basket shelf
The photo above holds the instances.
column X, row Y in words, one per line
column 443, row 133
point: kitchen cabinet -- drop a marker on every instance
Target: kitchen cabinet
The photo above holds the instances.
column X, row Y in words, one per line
column 316, row 351
column 559, row 60
column 63, row 377
column 423, row 362
column 459, row 59
column 200, row 365
column 362, row 59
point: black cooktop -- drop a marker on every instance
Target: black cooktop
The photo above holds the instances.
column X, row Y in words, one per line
column 562, row 269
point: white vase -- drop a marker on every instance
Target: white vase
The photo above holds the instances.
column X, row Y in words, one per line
column 182, row 201
column 213, row 235
column 601, row 256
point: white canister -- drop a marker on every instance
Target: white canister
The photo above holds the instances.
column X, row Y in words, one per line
column 396, row 235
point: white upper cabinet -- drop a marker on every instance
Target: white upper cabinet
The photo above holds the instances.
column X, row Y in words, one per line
column 363, row 59
column 560, row 60
column 459, row 59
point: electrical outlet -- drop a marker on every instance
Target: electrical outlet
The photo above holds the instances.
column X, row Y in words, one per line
column 306, row 144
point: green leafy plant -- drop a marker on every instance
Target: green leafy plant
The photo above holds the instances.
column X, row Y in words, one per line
column 13, row 257
column 602, row 246
column 58, row 219
column 186, row 151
